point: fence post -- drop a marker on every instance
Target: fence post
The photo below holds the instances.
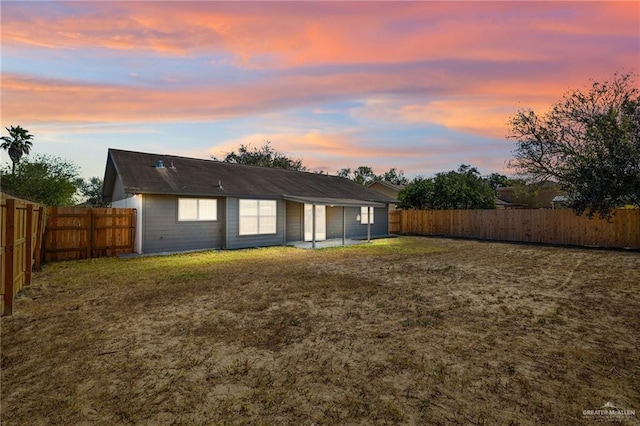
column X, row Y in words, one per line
column 114, row 222
column 37, row 253
column 9, row 268
column 89, row 233
column 28, row 247
column 50, row 234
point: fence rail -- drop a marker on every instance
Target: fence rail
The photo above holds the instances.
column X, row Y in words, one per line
column 83, row 233
column 21, row 239
column 560, row 226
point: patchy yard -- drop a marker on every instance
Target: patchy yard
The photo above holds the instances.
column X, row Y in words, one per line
column 406, row 330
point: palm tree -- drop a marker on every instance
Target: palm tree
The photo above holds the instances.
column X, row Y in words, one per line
column 17, row 144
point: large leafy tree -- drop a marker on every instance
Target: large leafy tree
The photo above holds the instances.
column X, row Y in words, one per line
column 496, row 180
column 364, row 175
column 458, row 189
column 49, row 180
column 394, row 176
column 17, row 144
column 91, row 190
column 589, row 142
column 418, row 194
column 265, row 156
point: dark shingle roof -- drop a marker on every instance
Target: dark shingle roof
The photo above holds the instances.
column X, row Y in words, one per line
column 390, row 185
column 197, row 177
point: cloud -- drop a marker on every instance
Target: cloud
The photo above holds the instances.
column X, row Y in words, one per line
column 352, row 147
column 301, row 143
column 312, row 33
column 28, row 97
column 382, row 83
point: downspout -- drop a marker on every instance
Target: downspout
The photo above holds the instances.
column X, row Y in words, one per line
column 139, row 199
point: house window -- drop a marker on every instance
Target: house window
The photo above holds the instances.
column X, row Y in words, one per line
column 192, row 209
column 365, row 218
column 257, row 217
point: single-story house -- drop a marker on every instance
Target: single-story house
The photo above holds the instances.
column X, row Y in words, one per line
column 559, row 202
column 388, row 189
column 189, row 204
column 502, row 204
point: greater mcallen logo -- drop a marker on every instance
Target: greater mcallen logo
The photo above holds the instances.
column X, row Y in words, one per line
column 609, row 412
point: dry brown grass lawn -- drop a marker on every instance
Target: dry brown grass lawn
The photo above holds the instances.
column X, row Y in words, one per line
column 406, row 330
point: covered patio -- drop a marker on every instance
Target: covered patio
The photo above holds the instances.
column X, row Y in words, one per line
column 315, row 221
column 334, row 242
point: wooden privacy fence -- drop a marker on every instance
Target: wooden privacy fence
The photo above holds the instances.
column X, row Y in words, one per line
column 21, row 239
column 83, row 233
column 560, row 226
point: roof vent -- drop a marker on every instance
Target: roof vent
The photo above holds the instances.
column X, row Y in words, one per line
column 219, row 185
column 159, row 164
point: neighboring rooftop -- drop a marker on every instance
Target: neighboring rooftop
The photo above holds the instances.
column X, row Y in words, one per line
column 540, row 196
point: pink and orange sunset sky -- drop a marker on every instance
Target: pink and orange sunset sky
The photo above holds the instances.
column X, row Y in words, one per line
column 420, row 86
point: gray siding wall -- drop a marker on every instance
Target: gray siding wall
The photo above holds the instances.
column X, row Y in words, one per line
column 118, row 190
column 379, row 228
column 163, row 233
column 295, row 223
column 234, row 240
column 334, row 222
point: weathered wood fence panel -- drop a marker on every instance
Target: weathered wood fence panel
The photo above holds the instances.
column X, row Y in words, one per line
column 21, row 239
column 560, row 226
column 83, row 233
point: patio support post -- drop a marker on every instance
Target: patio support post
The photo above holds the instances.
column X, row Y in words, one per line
column 313, row 226
column 369, row 224
column 344, row 225
column 284, row 230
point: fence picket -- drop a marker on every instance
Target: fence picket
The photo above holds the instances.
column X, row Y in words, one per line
column 19, row 248
column 560, row 226
column 83, row 233
column 9, row 268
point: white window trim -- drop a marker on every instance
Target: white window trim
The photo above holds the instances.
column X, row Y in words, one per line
column 198, row 212
column 364, row 215
column 257, row 217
